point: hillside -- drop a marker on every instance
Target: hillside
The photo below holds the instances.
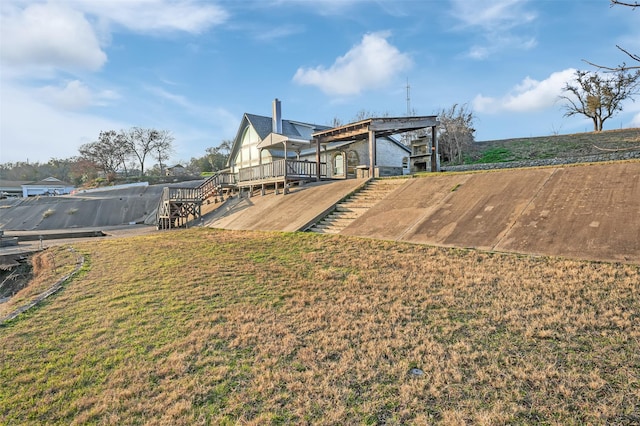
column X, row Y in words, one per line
column 555, row 146
column 239, row 327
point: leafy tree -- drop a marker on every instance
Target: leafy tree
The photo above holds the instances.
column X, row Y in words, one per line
column 456, row 132
column 218, row 156
column 82, row 170
column 20, row 171
column 108, row 152
column 599, row 96
column 198, row 165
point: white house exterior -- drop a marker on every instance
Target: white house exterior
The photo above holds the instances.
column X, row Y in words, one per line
column 252, row 147
column 48, row 186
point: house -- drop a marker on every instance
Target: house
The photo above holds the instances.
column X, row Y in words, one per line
column 177, row 170
column 272, row 150
column 12, row 188
column 48, row 186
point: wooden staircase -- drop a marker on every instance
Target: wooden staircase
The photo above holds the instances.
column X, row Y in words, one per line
column 356, row 205
column 178, row 205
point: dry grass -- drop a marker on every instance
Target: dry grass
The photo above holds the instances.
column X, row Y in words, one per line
column 47, row 267
column 223, row 327
column 556, row 146
column 47, row 213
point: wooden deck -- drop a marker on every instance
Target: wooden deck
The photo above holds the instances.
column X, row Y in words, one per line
column 279, row 172
column 178, row 206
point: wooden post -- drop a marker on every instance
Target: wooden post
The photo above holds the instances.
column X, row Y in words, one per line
column 372, row 153
column 284, row 188
column 317, row 160
column 435, row 159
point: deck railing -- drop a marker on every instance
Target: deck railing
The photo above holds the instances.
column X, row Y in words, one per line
column 295, row 169
column 173, row 199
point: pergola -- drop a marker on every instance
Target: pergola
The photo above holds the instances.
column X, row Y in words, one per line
column 372, row 128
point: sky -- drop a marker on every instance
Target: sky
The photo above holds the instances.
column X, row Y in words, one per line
column 72, row 68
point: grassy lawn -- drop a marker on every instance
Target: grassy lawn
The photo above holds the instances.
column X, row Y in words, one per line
column 221, row 327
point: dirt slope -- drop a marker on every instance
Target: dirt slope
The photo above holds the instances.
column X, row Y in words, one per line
column 586, row 211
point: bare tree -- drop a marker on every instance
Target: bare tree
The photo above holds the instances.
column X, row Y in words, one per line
column 142, row 142
column 163, row 147
column 599, row 96
column 633, row 56
column 456, row 132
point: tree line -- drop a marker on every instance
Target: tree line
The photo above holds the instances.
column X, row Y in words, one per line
column 114, row 151
column 124, row 152
column 118, row 155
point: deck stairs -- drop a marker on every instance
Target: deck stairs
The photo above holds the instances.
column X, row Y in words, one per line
column 348, row 210
column 178, row 205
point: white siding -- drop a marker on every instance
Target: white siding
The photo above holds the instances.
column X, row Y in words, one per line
column 248, row 154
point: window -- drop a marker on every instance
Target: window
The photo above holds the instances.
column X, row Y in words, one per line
column 338, row 165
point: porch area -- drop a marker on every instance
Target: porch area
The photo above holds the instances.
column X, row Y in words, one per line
column 280, row 173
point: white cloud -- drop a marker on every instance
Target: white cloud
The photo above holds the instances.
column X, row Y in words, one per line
column 75, row 95
column 496, row 22
column 281, row 31
column 529, row 95
column 49, row 35
column 156, row 15
column 368, row 65
column 492, row 15
column 70, row 35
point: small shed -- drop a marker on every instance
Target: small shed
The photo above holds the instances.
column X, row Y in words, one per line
column 177, row 170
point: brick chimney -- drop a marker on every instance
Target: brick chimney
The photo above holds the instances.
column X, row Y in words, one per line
column 277, row 117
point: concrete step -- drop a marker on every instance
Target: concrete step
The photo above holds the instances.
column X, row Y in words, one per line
column 358, row 204
column 351, row 208
column 337, row 221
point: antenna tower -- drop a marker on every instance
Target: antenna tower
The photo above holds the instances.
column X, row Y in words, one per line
column 408, row 98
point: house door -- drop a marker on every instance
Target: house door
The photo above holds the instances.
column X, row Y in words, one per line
column 338, row 165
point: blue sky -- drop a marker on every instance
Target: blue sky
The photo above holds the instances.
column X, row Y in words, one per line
column 72, row 68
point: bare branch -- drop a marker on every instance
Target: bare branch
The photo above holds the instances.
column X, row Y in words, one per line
column 624, row 3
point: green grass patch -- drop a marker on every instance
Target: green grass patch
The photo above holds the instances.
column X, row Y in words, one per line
column 553, row 146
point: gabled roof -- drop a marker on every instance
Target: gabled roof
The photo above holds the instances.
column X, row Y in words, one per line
column 14, row 183
column 264, row 127
column 49, row 182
